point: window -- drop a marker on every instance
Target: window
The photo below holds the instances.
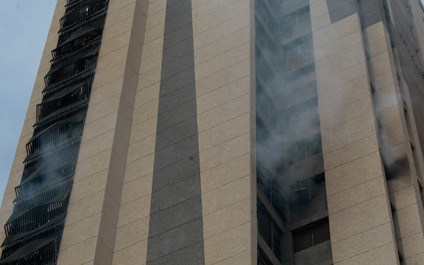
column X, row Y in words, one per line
column 304, row 110
column 269, row 230
column 300, row 73
column 262, row 258
column 311, row 235
column 263, row 177
column 264, row 69
column 265, row 104
column 262, row 132
column 305, row 149
column 297, row 17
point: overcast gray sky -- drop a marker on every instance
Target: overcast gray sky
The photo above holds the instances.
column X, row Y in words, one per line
column 24, row 25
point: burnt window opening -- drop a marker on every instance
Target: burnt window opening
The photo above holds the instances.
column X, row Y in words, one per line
column 311, row 235
column 70, row 95
column 296, row 24
column 85, row 76
column 78, row 40
column 265, row 105
column 62, row 113
column 291, row 76
column 288, row 139
column 263, row 133
column 305, row 148
column 35, row 227
column 302, row 191
column 302, row 111
column 300, row 49
column 264, row 12
column 303, row 40
column 70, row 33
column 90, row 49
column 80, row 11
column 262, row 258
column 71, row 69
column 265, row 71
column 269, row 230
column 265, row 40
column 41, row 180
column 297, row 17
column 394, row 167
column 61, row 132
column 272, row 189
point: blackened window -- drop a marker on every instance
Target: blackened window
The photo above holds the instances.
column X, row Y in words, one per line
column 305, row 149
column 269, row 230
column 311, row 235
column 265, row 104
column 262, row 258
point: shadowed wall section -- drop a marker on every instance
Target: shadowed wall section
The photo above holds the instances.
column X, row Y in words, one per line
column 176, row 229
column 370, row 10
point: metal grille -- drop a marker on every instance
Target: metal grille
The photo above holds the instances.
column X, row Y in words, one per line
column 302, row 240
column 34, row 230
column 321, row 233
column 311, row 235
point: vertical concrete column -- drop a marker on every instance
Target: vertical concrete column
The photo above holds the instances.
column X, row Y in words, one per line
column 134, row 214
column 30, row 118
column 92, row 219
column 361, row 226
column 403, row 186
column 223, row 60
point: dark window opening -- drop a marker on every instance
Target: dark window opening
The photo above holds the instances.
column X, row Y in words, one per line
column 262, row 258
column 305, row 149
column 35, row 227
column 265, row 104
column 289, row 77
column 305, row 190
column 269, row 185
column 311, row 235
column 262, row 132
column 269, row 230
column 297, row 17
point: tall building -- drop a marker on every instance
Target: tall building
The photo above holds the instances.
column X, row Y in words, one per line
column 223, row 132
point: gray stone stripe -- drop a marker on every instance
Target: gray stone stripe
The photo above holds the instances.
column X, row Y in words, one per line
column 176, row 228
column 340, row 9
column 370, row 10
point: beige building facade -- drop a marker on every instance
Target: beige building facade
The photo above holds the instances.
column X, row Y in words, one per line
column 223, row 132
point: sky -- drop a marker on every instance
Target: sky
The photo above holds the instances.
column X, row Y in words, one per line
column 24, row 25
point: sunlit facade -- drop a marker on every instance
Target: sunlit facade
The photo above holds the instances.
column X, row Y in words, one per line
column 231, row 132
